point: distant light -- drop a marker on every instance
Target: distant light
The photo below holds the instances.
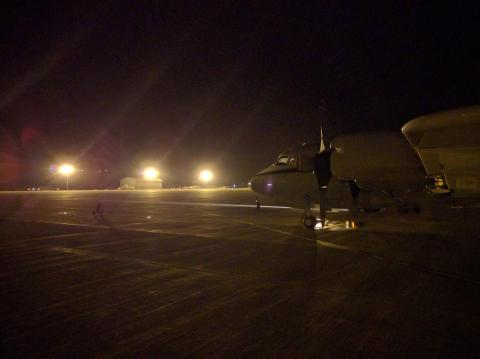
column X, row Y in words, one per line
column 66, row 169
column 206, row 176
column 350, row 224
column 150, row 173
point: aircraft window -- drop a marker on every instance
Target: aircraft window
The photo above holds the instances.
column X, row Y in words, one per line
column 282, row 161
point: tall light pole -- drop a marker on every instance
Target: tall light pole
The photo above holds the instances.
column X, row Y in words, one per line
column 66, row 170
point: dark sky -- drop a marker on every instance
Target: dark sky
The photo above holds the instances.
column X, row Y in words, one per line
column 117, row 85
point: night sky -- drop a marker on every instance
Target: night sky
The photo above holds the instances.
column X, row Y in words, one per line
column 118, row 85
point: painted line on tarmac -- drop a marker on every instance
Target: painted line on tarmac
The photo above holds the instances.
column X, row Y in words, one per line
column 289, row 234
column 58, row 236
column 376, row 256
column 205, row 204
column 125, row 227
column 293, row 235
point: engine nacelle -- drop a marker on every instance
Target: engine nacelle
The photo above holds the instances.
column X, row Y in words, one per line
column 377, row 161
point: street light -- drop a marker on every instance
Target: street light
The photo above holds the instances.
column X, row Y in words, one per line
column 150, row 173
column 66, row 170
column 205, row 176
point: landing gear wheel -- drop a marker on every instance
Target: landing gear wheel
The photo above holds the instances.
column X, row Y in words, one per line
column 310, row 222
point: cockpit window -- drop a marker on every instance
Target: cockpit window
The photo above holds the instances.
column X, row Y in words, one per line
column 282, row 161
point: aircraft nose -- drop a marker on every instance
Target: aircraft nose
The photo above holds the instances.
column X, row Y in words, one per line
column 261, row 184
column 255, row 184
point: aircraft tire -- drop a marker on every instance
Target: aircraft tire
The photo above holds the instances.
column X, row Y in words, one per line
column 310, row 222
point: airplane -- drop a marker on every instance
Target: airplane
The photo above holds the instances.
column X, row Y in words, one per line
column 437, row 153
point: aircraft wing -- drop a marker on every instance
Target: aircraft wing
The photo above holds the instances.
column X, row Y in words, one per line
column 448, row 144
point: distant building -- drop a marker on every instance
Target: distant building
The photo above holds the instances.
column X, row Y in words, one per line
column 140, row 183
column 127, row 183
column 149, row 184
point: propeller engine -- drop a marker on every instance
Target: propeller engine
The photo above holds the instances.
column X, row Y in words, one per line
column 322, row 170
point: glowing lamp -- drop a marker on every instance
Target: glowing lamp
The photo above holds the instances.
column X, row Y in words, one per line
column 150, row 173
column 205, row 176
column 66, row 170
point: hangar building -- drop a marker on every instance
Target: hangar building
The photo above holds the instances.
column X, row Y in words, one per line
column 140, row 183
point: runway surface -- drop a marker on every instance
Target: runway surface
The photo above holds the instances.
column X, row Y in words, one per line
column 203, row 273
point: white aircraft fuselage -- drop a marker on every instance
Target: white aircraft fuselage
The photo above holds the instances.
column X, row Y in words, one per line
column 380, row 169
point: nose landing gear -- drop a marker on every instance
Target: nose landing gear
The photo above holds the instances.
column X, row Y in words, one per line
column 310, row 222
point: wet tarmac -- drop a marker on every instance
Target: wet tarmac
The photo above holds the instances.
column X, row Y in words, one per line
column 203, row 273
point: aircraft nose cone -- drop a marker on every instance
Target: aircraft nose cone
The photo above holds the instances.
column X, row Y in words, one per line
column 253, row 184
column 256, row 184
column 261, row 184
